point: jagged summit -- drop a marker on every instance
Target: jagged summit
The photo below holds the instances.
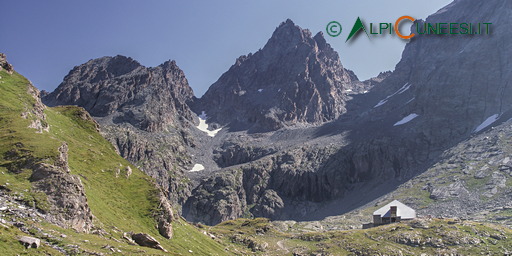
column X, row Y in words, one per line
column 294, row 78
column 120, row 87
column 288, row 35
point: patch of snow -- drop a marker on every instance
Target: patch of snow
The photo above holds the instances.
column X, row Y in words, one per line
column 406, row 119
column 461, row 51
column 279, row 90
column 382, row 102
column 348, row 90
column 203, row 126
column 487, row 122
column 400, row 91
column 404, row 88
column 197, row 168
column 409, row 101
column 260, row 90
column 365, row 91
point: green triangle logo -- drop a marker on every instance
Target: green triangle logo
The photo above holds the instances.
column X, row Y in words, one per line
column 356, row 28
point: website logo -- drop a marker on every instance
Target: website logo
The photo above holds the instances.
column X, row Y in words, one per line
column 334, row 28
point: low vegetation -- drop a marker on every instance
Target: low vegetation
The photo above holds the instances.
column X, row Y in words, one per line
column 119, row 203
column 421, row 236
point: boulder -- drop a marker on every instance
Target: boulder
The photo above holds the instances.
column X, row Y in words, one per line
column 30, row 242
column 147, row 241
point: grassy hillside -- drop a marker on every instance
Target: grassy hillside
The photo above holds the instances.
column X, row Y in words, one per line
column 119, row 204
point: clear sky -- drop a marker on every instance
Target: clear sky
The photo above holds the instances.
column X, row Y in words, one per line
column 45, row 39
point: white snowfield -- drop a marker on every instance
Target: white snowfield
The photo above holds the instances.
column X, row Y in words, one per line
column 487, row 122
column 406, row 119
column 400, row 91
column 203, row 126
column 197, row 168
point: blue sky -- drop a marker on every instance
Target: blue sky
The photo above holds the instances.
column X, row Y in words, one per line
column 45, row 39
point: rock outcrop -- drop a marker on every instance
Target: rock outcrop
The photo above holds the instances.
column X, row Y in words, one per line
column 35, row 113
column 65, row 193
column 164, row 217
column 147, row 241
column 295, row 78
column 4, row 65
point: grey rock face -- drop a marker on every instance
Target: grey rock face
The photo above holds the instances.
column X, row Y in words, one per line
column 162, row 155
column 230, row 153
column 295, row 78
column 219, row 198
column 142, row 111
column 455, row 82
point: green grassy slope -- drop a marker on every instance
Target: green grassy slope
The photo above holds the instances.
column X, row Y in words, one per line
column 119, row 204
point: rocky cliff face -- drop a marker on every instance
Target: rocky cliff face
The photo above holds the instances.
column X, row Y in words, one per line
column 453, row 83
column 294, row 183
column 142, row 111
column 295, row 78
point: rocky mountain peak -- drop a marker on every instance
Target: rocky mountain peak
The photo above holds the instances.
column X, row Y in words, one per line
column 113, row 66
column 287, row 36
column 123, row 90
column 294, row 78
